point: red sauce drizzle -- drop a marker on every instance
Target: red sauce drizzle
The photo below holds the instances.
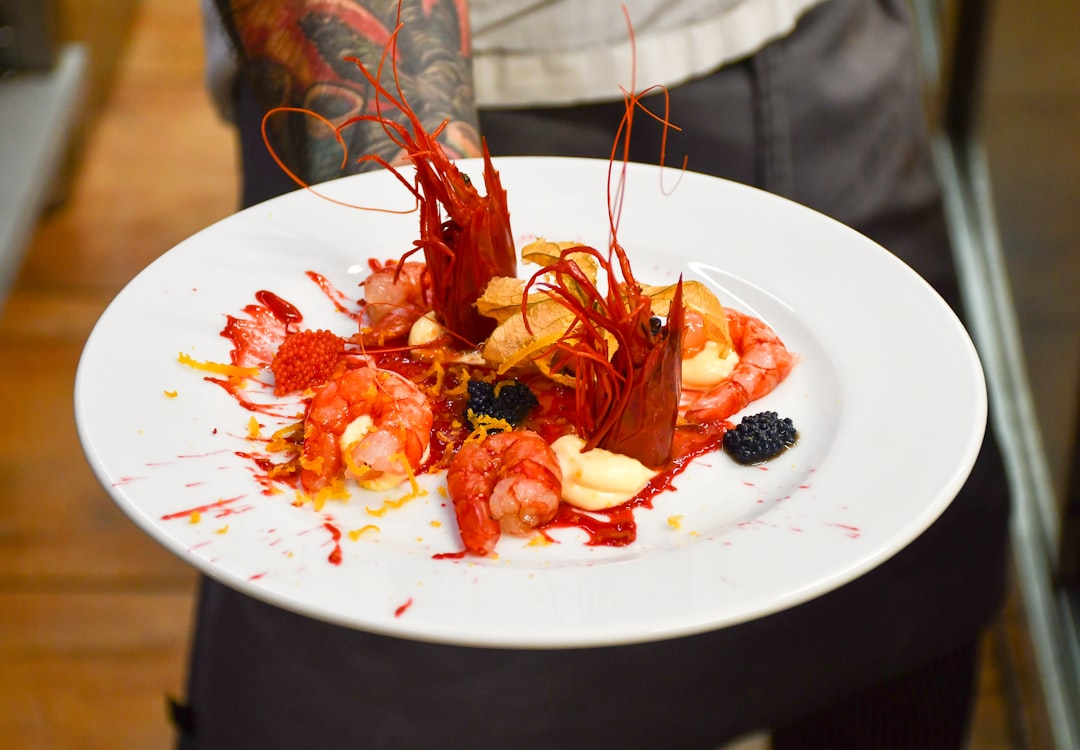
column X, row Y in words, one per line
column 236, row 389
column 262, row 472
column 284, row 311
column 449, row 555
column 256, row 339
column 620, row 529
column 220, row 505
column 339, row 299
column 335, row 536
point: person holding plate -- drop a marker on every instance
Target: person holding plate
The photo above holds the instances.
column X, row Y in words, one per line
column 815, row 100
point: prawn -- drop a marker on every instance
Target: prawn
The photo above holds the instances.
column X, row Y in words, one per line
column 507, row 482
column 763, row 364
column 625, row 362
column 396, row 295
column 473, row 243
column 374, row 424
column 626, row 365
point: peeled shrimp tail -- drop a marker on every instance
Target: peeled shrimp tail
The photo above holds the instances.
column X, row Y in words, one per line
column 396, row 295
column 509, row 482
column 373, row 423
column 764, row 362
column 528, row 493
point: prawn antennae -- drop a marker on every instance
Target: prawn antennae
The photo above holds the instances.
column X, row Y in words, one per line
column 626, row 365
column 336, row 129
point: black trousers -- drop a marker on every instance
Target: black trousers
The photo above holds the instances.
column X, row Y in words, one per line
column 830, row 117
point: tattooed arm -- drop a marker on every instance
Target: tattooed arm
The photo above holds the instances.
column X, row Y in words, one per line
column 292, row 54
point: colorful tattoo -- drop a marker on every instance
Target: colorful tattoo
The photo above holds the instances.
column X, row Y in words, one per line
column 293, row 52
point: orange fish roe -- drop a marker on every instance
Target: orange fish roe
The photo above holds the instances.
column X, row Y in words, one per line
column 305, row 359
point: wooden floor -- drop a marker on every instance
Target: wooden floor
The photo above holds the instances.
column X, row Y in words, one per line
column 94, row 617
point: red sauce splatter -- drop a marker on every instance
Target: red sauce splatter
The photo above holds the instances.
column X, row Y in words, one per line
column 401, row 610
column 618, row 530
column 126, row 480
column 854, row 532
column 449, row 555
column 284, row 311
column 340, row 300
column 335, row 536
column 221, row 506
column 238, row 389
column 255, row 338
column 268, row 473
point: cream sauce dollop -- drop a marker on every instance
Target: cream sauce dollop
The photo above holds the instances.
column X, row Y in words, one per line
column 598, row 479
column 425, row 330
column 707, row 369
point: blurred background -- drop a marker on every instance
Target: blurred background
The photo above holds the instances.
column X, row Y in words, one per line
column 110, row 154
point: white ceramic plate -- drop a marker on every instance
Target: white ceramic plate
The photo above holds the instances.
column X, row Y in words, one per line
column 881, row 357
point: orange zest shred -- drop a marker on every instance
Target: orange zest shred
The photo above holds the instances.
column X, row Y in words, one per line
column 415, row 490
column 311, row 464
column 485, row 425
column 355, row 534
column 218, row 368
column 336, row 490
column 463, row 384
column 285, row 440
column 357, row 469
column 171, row 394
column 284, row 469
column 439, row 372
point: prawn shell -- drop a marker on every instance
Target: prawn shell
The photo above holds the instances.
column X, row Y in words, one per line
column 470, row 481
column 468, row 251
column 646, row 428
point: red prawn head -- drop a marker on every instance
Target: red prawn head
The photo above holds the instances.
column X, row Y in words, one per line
column 465, row 237
column 646, row 425
column 468, row 248
column 627, row 363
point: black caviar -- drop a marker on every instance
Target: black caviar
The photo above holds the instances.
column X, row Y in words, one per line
column 760, row 437
column 512, row 404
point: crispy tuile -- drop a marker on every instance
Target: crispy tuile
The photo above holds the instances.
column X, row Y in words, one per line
column 519, row 339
